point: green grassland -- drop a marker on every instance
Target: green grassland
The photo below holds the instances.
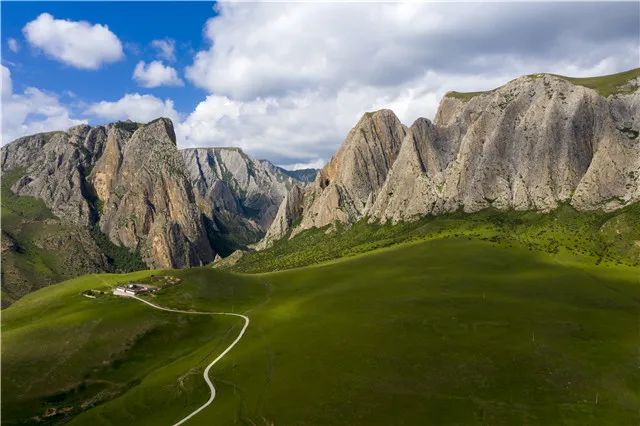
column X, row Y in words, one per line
column 439, row 330
column 609, row 84
column 609, row 238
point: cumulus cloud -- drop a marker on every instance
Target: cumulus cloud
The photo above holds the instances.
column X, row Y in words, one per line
column 32, row 111
column 155, row 74
column 288, row 80
column 166, row 49
column 76, row 43
column 135, row 107
column 13, row 45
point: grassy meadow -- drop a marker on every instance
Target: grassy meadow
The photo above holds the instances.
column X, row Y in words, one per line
column 447, row 330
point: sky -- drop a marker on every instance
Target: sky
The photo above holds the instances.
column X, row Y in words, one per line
column 285, row 81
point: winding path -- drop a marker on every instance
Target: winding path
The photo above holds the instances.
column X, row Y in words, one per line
column 212, row 363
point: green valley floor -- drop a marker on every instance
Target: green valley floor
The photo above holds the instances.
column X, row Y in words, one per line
column 444, row 331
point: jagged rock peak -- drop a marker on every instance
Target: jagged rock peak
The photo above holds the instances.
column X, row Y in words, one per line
column 531, row 144
column 289, row 212
column 126, row 178
column 346, row 187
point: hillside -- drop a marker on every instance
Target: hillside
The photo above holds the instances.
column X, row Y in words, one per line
column 536, row 143
column 451, row 330
column 601, row 237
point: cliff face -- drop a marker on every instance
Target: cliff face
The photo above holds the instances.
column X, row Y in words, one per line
column 531, row 144
column 125, row 178
column 346, row 187
column 177, row 208
column 147, row 198
column 56, row 164
column 238, row 194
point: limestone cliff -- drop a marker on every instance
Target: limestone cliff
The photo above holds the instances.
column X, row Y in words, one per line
column 238, row 194
column 147, row 199
column 531, row 144
column 345, row 188
column 125, row 178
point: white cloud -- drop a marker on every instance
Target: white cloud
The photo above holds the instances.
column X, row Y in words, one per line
column 166, row 49
column 135, row 107
column 155, row 74
column 31, row 112
column 76, row 43
column 7, row 85
column 288, row 80
column 13, row 44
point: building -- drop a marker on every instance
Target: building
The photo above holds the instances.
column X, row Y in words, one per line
column 133, row 289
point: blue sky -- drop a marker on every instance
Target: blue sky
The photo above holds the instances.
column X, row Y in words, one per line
column 135, row 23
column 286, row 81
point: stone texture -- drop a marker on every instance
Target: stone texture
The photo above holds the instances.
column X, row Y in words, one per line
column 56, row 164
column 126, row 178
column 531, row 144
column 346, row 187
column 147, row 199
column 289, row 213
column 236, row 191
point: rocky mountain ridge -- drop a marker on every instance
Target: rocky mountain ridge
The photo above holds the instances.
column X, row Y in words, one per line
column 130, row 181
column 531, row 144
column 238, row 194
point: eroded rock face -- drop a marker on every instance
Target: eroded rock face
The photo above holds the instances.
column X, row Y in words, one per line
column 289, row 213
column 56, row 164
column 147, row 199
column 126, row 178
column 531, row 144
column 235, row 191
column 346, row 187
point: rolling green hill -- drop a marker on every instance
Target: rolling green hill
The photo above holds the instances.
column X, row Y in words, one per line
column 436, row 331
column 609, row 238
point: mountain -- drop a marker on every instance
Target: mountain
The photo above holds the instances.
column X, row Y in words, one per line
column 127, row 197
column 535, row 143
column 306, row 176
column 128, row 180
column 238, row 194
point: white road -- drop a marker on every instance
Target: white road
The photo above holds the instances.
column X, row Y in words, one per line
column 212, row 363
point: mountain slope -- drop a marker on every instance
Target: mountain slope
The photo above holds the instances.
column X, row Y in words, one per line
column 451, row 330
column 238, row 194
column 532, row 144
column 529, row 145
column 126, row 179
column 344, row 190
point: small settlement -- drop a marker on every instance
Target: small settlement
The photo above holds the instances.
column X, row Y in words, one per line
column 133, row 289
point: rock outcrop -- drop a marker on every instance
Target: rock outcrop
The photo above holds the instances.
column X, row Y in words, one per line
column 56, row 164
column 125, row 178
column 289, row 213
column 532, row 144
column 239, row 195
column 346, row 187
column 147, row 200
column 176, row 208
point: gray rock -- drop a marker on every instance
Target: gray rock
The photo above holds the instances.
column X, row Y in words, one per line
column 531, row 144
column 235, row 189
